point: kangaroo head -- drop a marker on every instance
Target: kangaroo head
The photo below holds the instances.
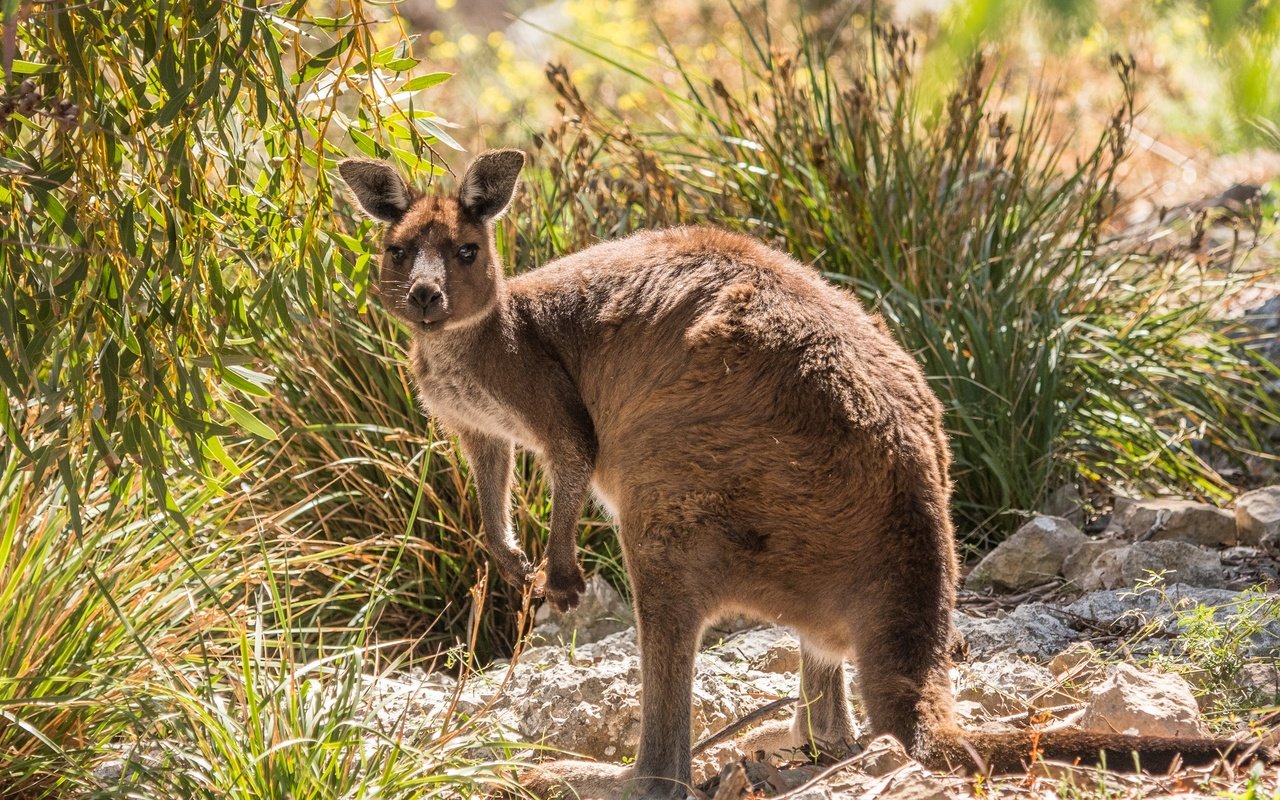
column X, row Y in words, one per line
column 440, row 268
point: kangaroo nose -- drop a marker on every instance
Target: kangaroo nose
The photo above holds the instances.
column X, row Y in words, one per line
column 425, row 296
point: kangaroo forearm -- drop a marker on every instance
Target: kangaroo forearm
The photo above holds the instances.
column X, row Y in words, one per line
column 492, row 463
column 569, row 493
column 571, row 465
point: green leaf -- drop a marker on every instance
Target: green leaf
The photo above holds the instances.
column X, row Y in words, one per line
column 433, row 129
column 249, row 381
column 426, row 81
column 20, row 67
column 366, row 143
column 401, row 64
column 246, row 420
column 214, row 449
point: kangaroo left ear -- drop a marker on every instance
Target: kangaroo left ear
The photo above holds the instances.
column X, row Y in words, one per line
column 377, row 188
column 490, row 183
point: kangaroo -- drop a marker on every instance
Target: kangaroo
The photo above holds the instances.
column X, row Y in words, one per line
column 762, row 442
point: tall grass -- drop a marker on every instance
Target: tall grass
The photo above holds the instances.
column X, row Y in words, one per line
column 981, row 231
column 196, row 660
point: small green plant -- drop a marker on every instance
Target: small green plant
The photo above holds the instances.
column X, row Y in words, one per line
column 1254, row 787
column 1215, row 646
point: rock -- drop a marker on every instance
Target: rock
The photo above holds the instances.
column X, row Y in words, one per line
column 917, row 783
column 601, row 612
column 1125, row 566
column 1260, row 681
column 882, row 755
column 726, row 627
column 1265, row 320
column 411, row 701
column 1065, row 502
column 586, row 699
column 771, row 650
column 969, row 713
column 1124, row 612
column 132, row 766
column 1258, row 518
column 1079, row 566
column 1031, row 629
column 1177, row 520
column 908, row 782
column 1105, row 571
column 812, row 793
column 1009, row 686
column 1030, row 556
column 1178, row 561
column 1103, row 610
column 1073, row 659
column 1140, row 703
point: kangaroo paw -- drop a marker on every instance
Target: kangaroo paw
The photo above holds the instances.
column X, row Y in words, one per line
column 578, row 780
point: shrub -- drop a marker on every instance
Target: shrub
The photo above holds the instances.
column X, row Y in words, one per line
column 1061, row 349
column 169, row 235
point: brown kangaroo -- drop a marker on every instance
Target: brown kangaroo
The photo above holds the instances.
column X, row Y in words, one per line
column 763, row 443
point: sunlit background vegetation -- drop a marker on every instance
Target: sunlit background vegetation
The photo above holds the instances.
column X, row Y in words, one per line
column 222, row 504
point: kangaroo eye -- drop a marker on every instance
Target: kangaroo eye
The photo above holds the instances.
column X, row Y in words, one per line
column 395, row 252
column 468, row 252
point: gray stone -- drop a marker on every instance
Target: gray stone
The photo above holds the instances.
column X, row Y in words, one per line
column 1258, row 518
column 131, row 767
column 410, row 701
column 882, row 755
column 1107, row 607
column 1177, row 520
column 1158, row 609
column 1030, row 556
column 586, row 699
column 1260, row 681
column 1031, row 629
column 1178, row 561
column 1074, row 659
column 1141, row 703
column 772, row 650
column 916, row 783
column 1119, row 567
column 1106, row 570
column 1079, row 565
column 1007, row 685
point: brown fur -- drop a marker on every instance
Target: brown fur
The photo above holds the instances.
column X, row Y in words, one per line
column 764, row 445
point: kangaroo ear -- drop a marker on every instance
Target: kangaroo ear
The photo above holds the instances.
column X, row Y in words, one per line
column 376, row 187
column 490, row 183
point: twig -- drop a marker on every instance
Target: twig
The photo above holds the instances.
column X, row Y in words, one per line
column 734, row 727
column 826, row 773
column 1023, row 715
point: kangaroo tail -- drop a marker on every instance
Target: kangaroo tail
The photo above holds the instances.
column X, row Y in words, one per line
column 1013, row 751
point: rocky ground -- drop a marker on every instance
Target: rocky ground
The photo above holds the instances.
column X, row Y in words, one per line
column 1165, row 622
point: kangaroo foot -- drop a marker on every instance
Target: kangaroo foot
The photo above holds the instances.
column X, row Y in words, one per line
column 580, row 780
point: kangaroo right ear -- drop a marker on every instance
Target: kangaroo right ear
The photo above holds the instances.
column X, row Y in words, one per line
column 376, row 187
column 490, row 183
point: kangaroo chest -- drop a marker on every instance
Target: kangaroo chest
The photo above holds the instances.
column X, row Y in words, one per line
column 459, row 398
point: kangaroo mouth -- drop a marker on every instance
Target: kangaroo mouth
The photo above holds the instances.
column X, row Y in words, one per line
column 430, row 321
